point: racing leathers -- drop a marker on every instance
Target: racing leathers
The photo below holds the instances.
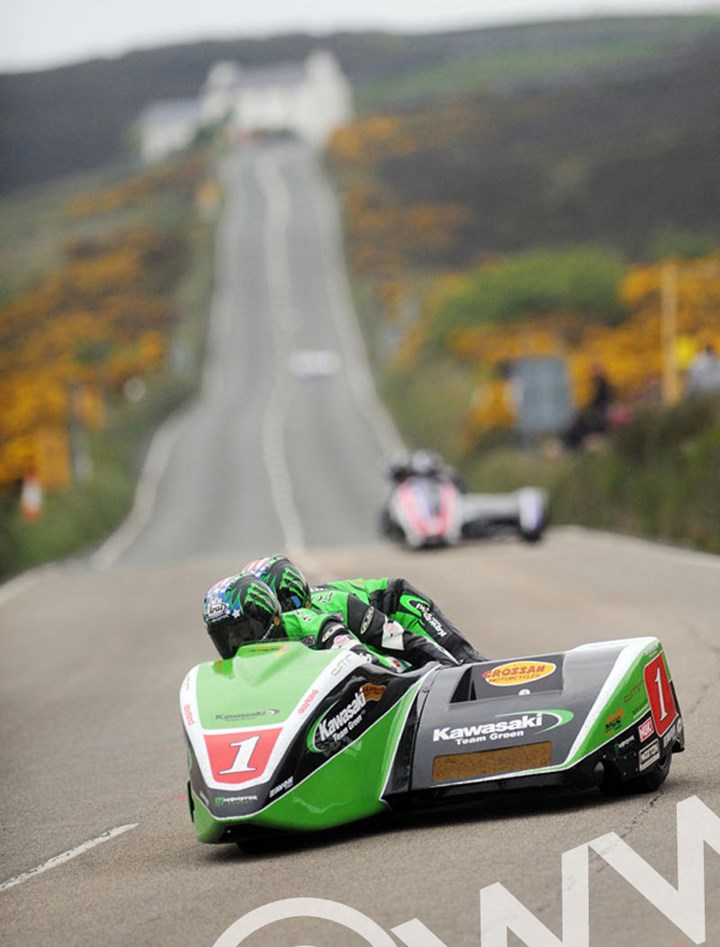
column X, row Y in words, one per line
column 390, row 616
column 321, row 631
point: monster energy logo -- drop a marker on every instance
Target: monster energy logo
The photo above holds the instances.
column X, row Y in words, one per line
column 231, row 596
column 291, row 582
column 258, row 595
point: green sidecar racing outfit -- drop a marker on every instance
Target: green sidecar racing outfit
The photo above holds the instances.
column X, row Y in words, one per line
column 390, row 616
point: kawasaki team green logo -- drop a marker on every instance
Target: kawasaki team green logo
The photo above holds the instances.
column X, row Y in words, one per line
column 505, row 727
column 339, row 722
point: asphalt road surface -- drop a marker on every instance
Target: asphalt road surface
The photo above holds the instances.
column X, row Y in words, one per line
column 265, row 458
column 97, row 846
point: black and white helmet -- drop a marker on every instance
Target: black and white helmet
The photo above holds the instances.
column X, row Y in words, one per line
column 286, row 580
column 427, row 463
column 239, row 609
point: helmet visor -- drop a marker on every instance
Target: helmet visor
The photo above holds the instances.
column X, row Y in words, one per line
column 227, row 636
column 293, row 599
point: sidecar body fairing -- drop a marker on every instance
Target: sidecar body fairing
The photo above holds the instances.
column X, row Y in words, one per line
column 282, row 737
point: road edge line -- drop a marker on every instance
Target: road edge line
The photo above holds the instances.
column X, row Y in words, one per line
column 57, row 860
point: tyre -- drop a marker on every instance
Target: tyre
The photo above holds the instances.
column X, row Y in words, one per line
column 655, row 776
column 388, row 527
column 532, row 535
column 651, row 780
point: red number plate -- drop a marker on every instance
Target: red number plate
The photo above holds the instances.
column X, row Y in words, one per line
column 236, row 758
column 662, row 702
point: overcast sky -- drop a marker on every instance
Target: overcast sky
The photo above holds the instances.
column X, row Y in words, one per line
column 36, row 34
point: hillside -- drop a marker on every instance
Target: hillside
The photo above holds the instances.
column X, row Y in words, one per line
column 626, row 160
column 476, row 160
column 61, row 121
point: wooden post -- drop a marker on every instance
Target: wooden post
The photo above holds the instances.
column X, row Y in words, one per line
column 668, row 331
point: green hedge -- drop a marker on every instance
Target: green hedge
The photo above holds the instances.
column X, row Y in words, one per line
column 658, row 477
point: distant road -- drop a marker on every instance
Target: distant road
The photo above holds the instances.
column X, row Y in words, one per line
column 97, row 847
column 266, row 460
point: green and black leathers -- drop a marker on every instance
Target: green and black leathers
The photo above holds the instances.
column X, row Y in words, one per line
column 322, row 630
column 392, row 617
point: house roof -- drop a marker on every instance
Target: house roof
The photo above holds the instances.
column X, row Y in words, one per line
column 230, row 75
column 170, row 112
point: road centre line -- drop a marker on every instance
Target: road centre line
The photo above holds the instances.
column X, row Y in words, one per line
column 275, row 247
column 58, row 860
column 221, row 314
column 357, row 367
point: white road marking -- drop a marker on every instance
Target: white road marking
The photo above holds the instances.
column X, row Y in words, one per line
column 66, row 856
column 354, row 353
column 145, row 494
column 163, row 441
column 21, row 583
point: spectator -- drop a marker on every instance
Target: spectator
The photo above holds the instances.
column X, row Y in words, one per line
column 594, row 417
column 704, row 372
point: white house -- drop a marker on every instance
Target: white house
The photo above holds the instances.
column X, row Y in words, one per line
column 167, row 127
column 309, row 99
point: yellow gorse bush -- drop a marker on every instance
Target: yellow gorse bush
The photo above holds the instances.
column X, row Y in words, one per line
column 631, row 353
column 74, row 339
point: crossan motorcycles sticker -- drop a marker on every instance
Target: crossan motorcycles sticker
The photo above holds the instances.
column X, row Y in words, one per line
column 507, row 727
column 516, row 673
column 338, row 726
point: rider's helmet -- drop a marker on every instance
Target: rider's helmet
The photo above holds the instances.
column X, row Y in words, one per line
column 284, row 578
column 399, row 467
column 239, row 609
column 427, row 463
